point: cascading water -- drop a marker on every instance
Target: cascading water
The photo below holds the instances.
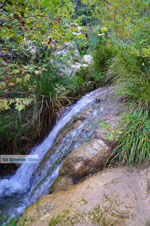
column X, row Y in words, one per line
column 31, row 181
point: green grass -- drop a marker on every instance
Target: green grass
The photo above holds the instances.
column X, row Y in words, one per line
column 133, row 146
column 130, row 68
column 13, row 221
column 102, row 54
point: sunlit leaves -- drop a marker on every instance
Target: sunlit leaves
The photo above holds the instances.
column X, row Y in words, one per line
column 21, row 103
column 18, row 103
column 25, row 28
column 4, row 104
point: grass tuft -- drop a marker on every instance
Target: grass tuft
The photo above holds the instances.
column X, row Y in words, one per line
column 134, row 144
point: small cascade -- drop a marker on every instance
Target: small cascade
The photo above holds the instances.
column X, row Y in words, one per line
column 31, row 181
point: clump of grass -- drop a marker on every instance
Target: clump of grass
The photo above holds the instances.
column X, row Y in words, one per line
column 134, row 144
column 134, row 82
column 88, row 76
column 102, row 54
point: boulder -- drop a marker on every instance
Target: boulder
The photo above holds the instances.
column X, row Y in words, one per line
column 64, row 57
column 87, row 59
column 87, row 159
column 68, row 59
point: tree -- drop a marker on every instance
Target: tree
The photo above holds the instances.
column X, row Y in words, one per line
column 26, row 27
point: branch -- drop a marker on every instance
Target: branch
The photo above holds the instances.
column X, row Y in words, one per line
column 13, row 92
column 23, row 17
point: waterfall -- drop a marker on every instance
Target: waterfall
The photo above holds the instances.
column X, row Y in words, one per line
column 31, row 181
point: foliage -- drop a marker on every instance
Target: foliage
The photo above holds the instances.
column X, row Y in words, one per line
column 31, row 90
column 27, row 31
column 121, row 17
column 102, row 54
column 35, row 20
column 12, row 221
column 133, row 146
column 125, row 28
column 131, row 67
column 128, row 38
column 113, row 133
column 82, row 10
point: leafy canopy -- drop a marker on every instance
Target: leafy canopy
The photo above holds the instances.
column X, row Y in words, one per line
column 26, row 28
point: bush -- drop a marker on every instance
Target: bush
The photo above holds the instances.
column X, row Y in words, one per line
column 131, row 67
column 102, row 54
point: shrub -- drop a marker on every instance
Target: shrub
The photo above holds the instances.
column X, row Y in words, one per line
column 102, row 54
column 131, row 67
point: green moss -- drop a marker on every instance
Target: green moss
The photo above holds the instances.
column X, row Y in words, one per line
column 97, row 216
column 84, row 201
column 65, row 219
column 147, row 223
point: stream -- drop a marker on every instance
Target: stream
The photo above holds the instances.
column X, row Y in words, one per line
column 32, row 181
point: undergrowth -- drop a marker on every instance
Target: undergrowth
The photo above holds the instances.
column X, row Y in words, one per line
column 102, row 55
column 130, row 69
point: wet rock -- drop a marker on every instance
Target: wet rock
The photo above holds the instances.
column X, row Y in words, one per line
column 87, row 159
column 61, row 184
column 84, row 127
